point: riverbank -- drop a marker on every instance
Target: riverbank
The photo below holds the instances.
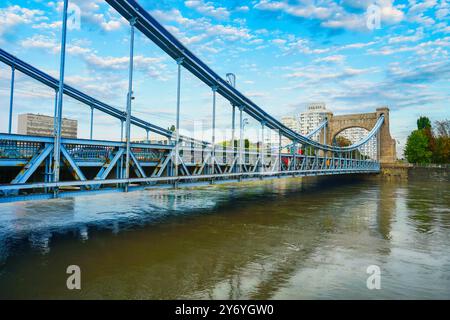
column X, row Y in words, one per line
column 406, row 171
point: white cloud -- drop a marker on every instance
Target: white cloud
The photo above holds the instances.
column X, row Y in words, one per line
column 242, row 9
column 313, row 75
column 413, row 38
column 98, row 13
column 202, row 28
column 152, row 67
column 332, row 15
column 334, row 58
column 208, row 9
column 302, row 46
column 13, row 16
column 423, row 48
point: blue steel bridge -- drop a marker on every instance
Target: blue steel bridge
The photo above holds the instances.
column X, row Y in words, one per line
column 37, row 167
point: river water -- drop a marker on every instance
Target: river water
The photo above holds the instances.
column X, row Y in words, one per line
column 281, row 239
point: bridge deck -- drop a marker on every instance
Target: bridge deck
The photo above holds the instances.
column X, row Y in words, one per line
column 93, row 166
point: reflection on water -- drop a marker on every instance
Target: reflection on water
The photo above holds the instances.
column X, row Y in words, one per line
column 285, row 239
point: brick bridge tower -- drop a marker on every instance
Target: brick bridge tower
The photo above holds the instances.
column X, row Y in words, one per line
column 337, row 124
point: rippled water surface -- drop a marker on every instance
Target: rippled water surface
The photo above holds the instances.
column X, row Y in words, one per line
column 284, row 239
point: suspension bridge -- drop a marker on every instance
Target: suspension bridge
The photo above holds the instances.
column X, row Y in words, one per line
column 42, row 167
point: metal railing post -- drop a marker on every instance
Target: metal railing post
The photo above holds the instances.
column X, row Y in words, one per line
column 58, row 120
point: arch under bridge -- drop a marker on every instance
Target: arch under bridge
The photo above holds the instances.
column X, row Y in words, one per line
column 47, row 167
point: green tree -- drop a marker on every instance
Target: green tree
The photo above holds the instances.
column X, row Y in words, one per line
column 423, row 122
column 417, row 147
column 172, row 128
column 441, row 152
column 343, row 141
column 441, row 148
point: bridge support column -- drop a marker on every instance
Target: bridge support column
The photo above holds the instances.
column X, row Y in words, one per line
column 92, row 122
column 121, row 130
column 279, row 151
column 11, row 99
column 294, row 157
column 378, row 146
column 213, row 138
column 54, row 112
column 261, row 148
column 233, row 138
column 177, row 129
column 325, row 137
column 129, row 99
column 58, row 113
column 241, row 137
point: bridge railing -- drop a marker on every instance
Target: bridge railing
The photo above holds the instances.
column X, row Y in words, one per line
column 14, row 149
column 25, row 147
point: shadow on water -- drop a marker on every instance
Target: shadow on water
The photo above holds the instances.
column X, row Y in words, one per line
column 281, row 239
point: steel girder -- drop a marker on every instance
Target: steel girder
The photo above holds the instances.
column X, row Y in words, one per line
column 150, row 27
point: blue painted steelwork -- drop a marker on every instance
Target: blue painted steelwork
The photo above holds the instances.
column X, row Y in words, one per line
column 32, row 165
column 51, row 82
column 76, row 172
column 92, row 123
column 184, row 160
column 148, row 25
column 11, row 99
column 58, row 111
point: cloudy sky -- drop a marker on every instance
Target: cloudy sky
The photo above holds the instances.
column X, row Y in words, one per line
column 284, row 54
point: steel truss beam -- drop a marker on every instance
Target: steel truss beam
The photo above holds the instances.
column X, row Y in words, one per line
column 151, row 28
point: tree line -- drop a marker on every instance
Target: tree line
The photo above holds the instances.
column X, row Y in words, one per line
column 429, row 144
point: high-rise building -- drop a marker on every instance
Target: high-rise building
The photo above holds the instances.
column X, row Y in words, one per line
column 357, row 134
column 292, row 123
column 42, row 125
column 307, row 121
column 312, row 117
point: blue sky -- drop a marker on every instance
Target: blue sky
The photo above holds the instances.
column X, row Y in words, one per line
column 284, row 54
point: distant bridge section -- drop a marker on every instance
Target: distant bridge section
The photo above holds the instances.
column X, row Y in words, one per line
column 339, row 123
